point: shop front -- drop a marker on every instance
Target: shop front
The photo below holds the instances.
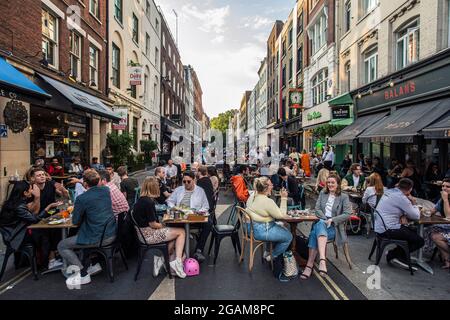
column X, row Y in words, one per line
column 313, row 118
column 170, row 137
column 416, row 101
column 294, row 133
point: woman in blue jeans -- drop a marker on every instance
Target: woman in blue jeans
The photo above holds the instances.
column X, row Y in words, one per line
column 333, row 208
column 263, row 211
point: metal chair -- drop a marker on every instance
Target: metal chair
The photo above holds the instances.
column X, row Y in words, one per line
column 144, row 247
column 246, row 236
column 108, row 251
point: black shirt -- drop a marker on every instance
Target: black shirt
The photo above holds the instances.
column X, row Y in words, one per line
column 48, row 194
column 206, row 184
column 162, row 188
column 129, row 185
column 144, row 211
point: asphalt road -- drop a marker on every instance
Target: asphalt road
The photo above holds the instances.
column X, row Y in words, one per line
column 226, row 280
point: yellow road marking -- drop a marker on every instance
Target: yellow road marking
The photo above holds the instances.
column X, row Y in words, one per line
column 334, row 285
column 17, row 281
column 4, row 285
column 331, row 292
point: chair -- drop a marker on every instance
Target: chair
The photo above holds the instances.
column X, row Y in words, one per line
column 138, row 193
column 244, row 219
column 107, row 251
column 71, row 194
column 381, row 242
column 144, row 247
column 345, row 249
column 28, row 250
column 221, row 231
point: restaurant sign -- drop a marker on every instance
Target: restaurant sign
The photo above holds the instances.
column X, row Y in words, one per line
column 314, row 115
column 340, row 112
column 433, row 80
column 135, row 75
column 123, row 114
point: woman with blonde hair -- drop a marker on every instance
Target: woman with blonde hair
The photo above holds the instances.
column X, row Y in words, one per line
column 374, row 191
column 144, row 214
column 263, row 211
column 322, row 177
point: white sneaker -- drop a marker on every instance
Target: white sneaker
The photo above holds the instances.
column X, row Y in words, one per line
column 75, row 281
column 158, row 262
column 266, row 255
column 52, row 264
column 402, row 265
column 177, row 266
column 94, row 269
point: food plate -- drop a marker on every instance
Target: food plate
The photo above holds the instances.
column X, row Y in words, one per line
column 53, row 222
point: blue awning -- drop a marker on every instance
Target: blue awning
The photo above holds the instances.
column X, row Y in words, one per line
column 82, row 100
column 13, row 82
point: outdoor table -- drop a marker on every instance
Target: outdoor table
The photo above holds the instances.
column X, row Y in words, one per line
column 294, row 221
column 65, row 226
column 186, row 223
column 427, row 221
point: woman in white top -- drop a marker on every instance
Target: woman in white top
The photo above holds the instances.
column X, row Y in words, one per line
column 333, row 208
column 374, row 191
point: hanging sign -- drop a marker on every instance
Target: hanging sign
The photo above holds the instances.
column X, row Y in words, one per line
column 122, row 113
column 135, row 75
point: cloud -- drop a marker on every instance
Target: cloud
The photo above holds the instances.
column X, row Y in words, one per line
column 218, row 39
column 257, row 22
column 212, row 20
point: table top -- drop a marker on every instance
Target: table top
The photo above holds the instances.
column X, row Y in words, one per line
column 167, row 219
column 354, row 194
column 433, row 220
column 43, row 224
column 309, row 218
column 434, row 183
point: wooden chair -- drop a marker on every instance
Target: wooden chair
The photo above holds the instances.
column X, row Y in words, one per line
column 345, row 249
column 246, row 236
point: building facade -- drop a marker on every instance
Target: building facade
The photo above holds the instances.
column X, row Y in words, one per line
column 261, row 106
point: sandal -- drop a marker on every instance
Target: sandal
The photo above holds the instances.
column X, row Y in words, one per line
column 322, row 273
column 303, row 276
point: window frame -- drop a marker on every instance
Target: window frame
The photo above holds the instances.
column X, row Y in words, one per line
column 75, row 56
column 347, row 72
column 118, row 10
column 135, row 29
column 95, row 13
column 370, row 56
column 115, row 57
column 319, row 33
column 319, row 87
column 93, row 67
column 368, row 6
column 147, row 44
column 402, row 36
column 347, row 15
column 54, row 43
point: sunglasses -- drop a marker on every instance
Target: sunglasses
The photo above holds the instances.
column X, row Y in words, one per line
column 187, row 181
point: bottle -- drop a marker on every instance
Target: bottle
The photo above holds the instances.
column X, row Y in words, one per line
column 16, row 176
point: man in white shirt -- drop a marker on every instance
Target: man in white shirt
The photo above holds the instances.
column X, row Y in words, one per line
column 189, row 195
column 328, row 158
column 172, row 173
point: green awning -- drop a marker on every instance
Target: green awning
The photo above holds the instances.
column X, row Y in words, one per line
column 343, row 99
column 342, row 122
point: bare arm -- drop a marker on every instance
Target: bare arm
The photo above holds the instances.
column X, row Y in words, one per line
column 61, row 190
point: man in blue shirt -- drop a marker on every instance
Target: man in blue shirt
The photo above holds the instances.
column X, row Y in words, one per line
column 92, row 211
column 97, row 165
column 395, row 208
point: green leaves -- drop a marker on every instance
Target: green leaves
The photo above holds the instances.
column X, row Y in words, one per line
column 221, row 122
column 327, row 130
column 120, row 146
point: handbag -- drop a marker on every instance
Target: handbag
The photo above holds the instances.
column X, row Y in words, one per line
column 290, row 268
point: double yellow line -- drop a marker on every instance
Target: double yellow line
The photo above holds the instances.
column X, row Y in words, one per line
column 331, row 286
column 15, row 280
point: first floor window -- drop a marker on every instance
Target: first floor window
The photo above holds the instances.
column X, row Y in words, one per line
column 75, row 55
column 115, row 66
column 370, row 66
column 408, row 45
column 320, row 87
column 93, row 66
column 49, row 38
column 347, row 76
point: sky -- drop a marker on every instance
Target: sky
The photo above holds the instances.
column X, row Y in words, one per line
column 225, row 42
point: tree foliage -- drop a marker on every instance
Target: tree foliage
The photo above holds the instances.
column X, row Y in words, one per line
column 148, row 146
column 327, row 130
column 120, row 146
column 221, row 122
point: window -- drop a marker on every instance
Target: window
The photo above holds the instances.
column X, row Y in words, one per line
column 347, row 76
column 156, row 56
column 115, row 66
column 283, row 77
column 94, row 8
column 318, row 34
column 93, row 66
column 147, row 44
column 75, row 55
column 300, row 23
column 284, row 48
column 291, row 70
column 369, row 5
column 118, row 10
column 133, row 92
column 290, row 36
column 408, row 45
column 50, row 38
column 319, row 87
column 135, row 30
column 347, row 15
column 299, row 59
column 157, row 25
column 370, row 65
column 148, row 10
column 145, row 86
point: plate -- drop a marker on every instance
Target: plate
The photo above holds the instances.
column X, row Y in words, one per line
column 56, row 222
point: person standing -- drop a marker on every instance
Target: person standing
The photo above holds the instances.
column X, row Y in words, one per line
column 128, row 185
column 306, row 163
column 328, row 158
column 115, row 178
column 345, row 165
column 395, row 208
column 118, row 200
column 172, row 173
column 96, row 165
column 164, row 190
column 295, row 155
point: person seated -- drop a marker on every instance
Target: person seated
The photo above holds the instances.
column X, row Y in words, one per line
column 395, row 208
column 76, row 167
column 92, row 210
column 189, row 195
column 441, row 233
column 115, row 178
column 345, row 165
column 354, row 180
column 263, row 211
column 240, row 185
column 333, row 209
column 15, row 215
column 378, row 168
column 433, row 174
column 96, row 165
column 118, row 200
column 55, row 169
column 394, row 171
column 321, row 180
column 127, row 185
column 289, row 184
column 144, row 213
column 413, row 174
column 164, row 190
column 374, row 191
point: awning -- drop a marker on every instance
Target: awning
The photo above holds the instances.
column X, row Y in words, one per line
column 342, row 100
column 348, row 134
column 14, row 84
column 342, row 122
column 402, row 125
column 439, row 129
column 82, row 100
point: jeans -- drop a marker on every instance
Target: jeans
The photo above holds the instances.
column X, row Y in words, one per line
column 66, row 249
column 320, row 229
column 272, row 232
column 205, row 230
column 415, row 242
